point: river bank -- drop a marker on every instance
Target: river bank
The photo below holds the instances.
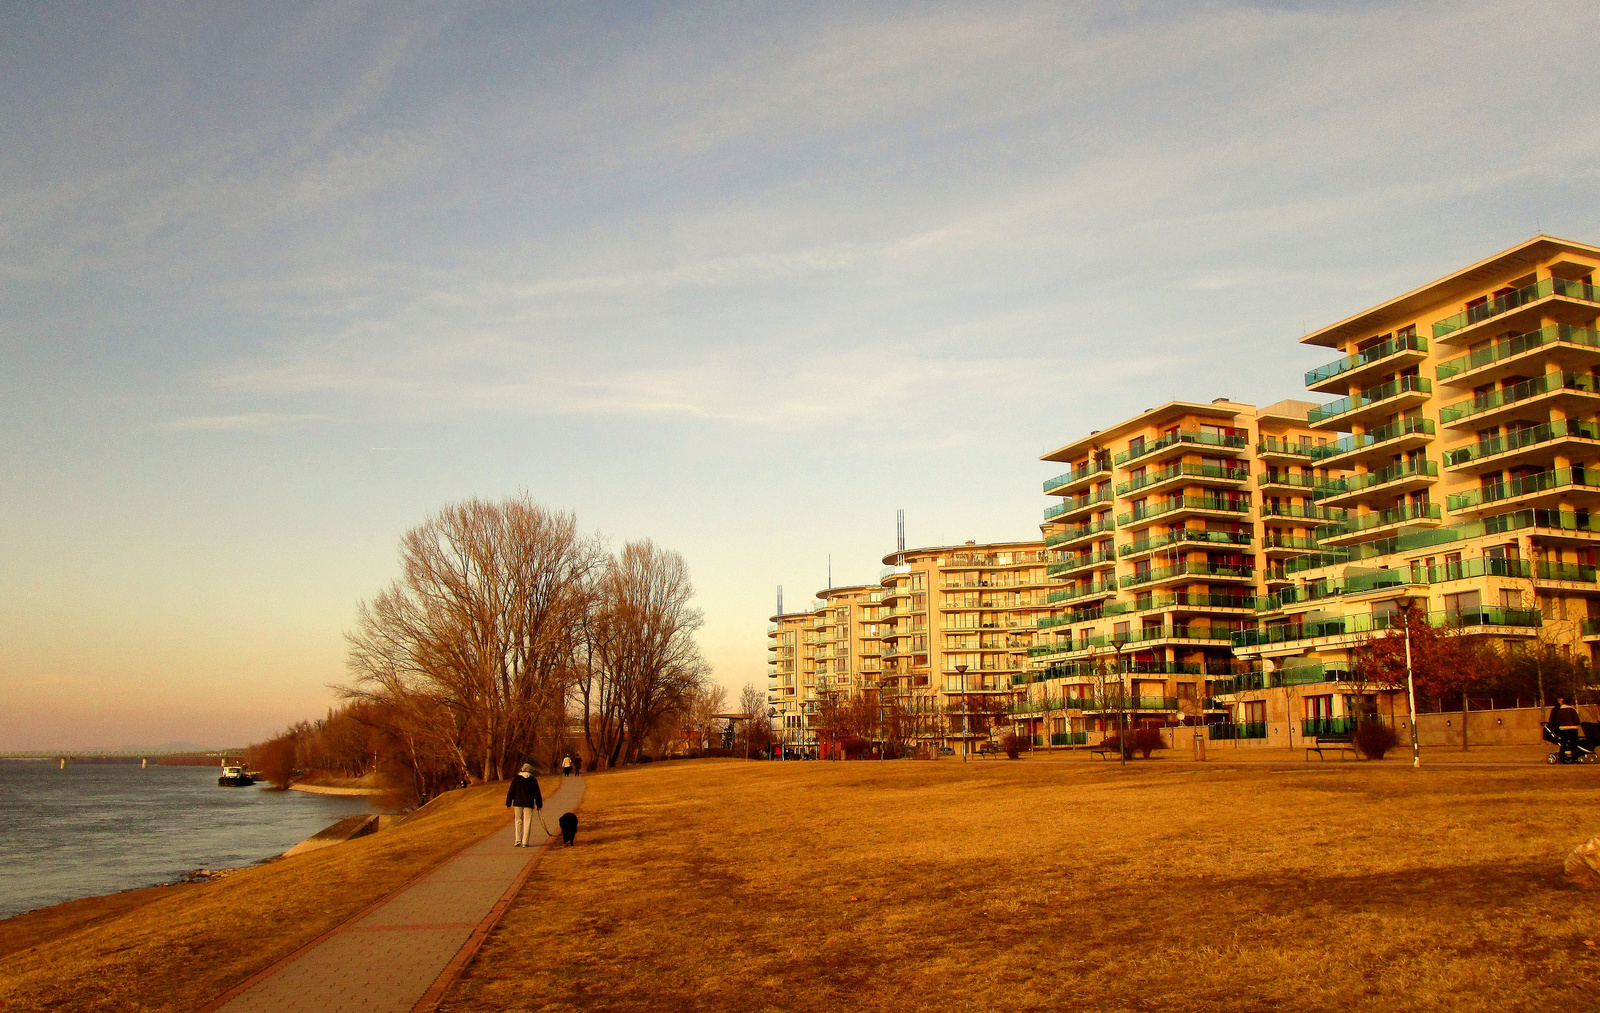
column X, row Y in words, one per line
column 116, row 951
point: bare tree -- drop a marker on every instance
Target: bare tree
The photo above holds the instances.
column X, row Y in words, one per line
column 479, row 624
column 639, row 660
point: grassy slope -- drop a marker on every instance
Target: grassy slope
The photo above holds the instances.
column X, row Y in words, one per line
column 178, row 947
column 1041, row 886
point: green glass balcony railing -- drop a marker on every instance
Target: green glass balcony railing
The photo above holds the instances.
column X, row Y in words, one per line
column 1315, row 728
column 1191, row 632
column 1229, row 732
column 1068, row 594
column 1283, row 478
column 1576, row 573
column 1305, row 513
column 1383, row 476
column 1383, row 434
column 1289, row 542
column 1227, row 438
column 1287, row 448
column 1193, row 537
column 1380, row 519
column 1370, row 396
column 1513, row 300
column 1367, row 356
column 1591, row 627
column 1554, row 520
column 1510, row 618
column 1077, row 475
column 1559, row 429
column 1227, row 504
column 1183, row 471
column 1560, row 478
column 1077, row 503
column 1185, row 599
column 1547, row 384
column 1079, row 562
column 1081, row 531
column 1187, row 569
column 1308, row 675
column 1505, row 348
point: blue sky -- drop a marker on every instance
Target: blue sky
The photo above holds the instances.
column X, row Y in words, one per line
column 278, row 280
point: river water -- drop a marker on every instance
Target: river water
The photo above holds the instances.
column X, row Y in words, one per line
column 99, row 828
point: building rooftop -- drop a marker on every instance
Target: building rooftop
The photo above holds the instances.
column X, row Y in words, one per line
column 1468, row 280
column 1221, row 408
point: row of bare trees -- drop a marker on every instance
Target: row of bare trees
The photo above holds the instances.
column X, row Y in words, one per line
column 509, row 634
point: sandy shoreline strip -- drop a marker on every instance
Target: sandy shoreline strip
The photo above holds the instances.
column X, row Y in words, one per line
column 318, row 789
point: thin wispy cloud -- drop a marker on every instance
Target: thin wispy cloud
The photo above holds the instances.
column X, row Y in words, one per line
column 253, row 421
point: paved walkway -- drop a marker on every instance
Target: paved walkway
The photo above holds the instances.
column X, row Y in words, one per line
column 393, row 957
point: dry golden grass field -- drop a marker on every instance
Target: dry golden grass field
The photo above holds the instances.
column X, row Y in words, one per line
column 1035, row 885
column 176, row 948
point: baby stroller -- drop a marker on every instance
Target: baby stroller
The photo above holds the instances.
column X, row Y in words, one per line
column 1571, row 746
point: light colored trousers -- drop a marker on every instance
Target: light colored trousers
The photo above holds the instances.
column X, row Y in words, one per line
column 523, row 820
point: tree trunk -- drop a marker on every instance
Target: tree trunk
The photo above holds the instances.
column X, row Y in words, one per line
column 1464, row 703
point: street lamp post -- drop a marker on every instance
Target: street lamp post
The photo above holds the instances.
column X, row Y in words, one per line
column 963, row 670
column 1117, row 644
column 1405, row 604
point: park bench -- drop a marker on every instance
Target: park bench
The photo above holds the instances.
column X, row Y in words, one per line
column 1104, row 752
column 1340, row 744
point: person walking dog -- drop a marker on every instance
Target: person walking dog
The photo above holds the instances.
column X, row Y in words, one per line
column 524, row 801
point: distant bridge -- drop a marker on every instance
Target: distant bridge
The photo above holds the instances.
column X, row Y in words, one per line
column 63, row 756
column 105, row 754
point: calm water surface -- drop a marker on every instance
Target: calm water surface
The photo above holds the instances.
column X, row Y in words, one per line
column 99, row 828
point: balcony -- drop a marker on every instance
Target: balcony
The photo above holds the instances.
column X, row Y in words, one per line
column 1270, row 447
column 1548, row 525
column 1288, row 545
column 1076, row 563
column 1205, row 602
column 1572, row 392
column 1356, row 529
column 1286, row 482
column 1391, row 355
column 1576, row 348
column 1385, row 441
column 1186, row 537
column 1580, row 487
column 1069, row 480
column 1500, row 621
column 1537, row 444
column 1375, row 402
column 1302, row 513
column 1068, row 509
column 1182, row 505
column 1590, row 628
column 1407, row 476
column 1091, row 590
column 1177, row 472
column 1551, row 288
column 1565, row 573
column 1072, row 536
column 1189, row 571
column 1227, row 441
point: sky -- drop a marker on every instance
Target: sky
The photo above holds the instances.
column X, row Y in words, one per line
column 279, row 280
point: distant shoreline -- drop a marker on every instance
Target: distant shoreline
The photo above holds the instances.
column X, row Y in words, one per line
column 322, row 789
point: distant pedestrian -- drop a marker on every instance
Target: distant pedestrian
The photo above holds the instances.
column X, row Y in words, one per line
column 524, row 801
column 566, row 766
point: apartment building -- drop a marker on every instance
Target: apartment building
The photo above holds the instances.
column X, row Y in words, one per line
column 828, row 651
column 1459, row 480
column 1167, row 538
column 956, row 627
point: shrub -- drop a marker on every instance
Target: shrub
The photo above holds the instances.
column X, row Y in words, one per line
column 1148, row 740
column 855, row 747
column 1374, row 738
column 1012, row 744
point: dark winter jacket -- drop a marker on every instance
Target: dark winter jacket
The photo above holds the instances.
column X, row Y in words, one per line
column 524, row 792
column 1564, row 717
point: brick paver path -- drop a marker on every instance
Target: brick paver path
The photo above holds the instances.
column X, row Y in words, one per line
column 387, row 959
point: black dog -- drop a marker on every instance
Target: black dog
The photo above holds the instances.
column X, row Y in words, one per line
column 569, row 828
